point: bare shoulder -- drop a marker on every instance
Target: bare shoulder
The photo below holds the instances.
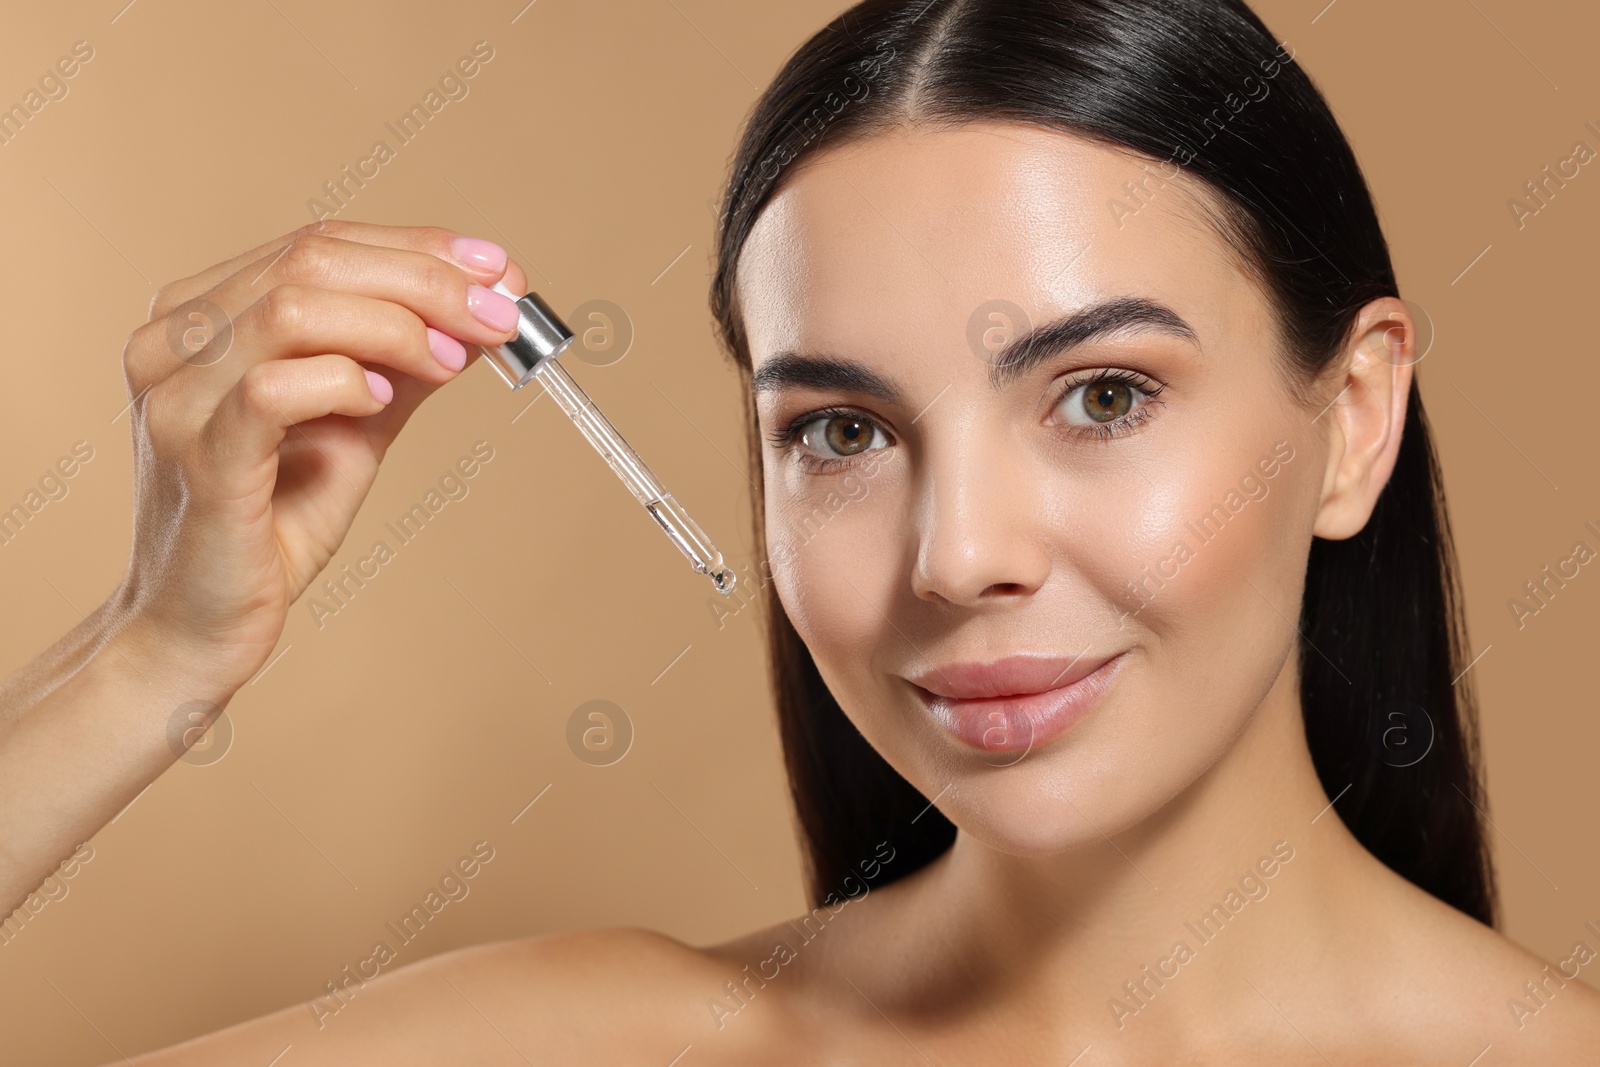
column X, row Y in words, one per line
column 1541, row 1010
column 1474, row 986
column 603, row 995
column 624, row 959
column 617, row 993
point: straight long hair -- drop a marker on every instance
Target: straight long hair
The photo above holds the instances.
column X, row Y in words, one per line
column 1202, row 83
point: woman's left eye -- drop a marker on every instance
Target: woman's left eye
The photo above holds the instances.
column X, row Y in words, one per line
column 1108, row 403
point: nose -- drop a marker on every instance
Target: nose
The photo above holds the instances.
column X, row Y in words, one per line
column 980, row 523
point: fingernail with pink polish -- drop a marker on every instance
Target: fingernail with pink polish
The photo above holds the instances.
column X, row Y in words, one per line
column 479, row 254
column 491, row 309
column 450, row 353
column 382, row 390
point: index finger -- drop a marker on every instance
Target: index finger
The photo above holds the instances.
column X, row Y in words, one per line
column 483, row 259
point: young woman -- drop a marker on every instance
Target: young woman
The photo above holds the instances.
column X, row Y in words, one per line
column 1116, row 643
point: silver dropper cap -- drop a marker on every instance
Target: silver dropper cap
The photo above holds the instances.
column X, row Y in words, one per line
column 541, row 336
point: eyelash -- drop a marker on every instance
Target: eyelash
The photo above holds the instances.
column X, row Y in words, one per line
column 786, row 436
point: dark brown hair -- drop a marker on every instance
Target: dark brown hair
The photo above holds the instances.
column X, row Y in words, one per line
column 1168, row 80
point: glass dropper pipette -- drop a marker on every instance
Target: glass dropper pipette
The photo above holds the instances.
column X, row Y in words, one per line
column 541, row 337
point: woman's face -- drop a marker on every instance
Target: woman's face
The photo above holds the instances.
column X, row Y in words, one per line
column 931, row 515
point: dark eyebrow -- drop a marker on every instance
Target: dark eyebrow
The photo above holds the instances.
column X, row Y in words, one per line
column 824, row 373
column 1015, row 360
column 1121, row 314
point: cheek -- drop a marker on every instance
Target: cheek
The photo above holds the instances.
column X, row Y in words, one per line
column 829, row 567
column 832, row 566
column 1213, row 567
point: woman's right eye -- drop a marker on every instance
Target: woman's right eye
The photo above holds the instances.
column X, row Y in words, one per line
column 841, row 435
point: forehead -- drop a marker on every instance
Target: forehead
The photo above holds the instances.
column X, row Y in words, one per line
column 907, row 233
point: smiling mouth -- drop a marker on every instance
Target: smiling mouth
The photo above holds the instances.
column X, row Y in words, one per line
column 1011, row 705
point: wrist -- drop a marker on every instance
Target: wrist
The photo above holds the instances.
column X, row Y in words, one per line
column 157, row 654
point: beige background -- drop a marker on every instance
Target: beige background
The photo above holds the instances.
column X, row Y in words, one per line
column 415, row 722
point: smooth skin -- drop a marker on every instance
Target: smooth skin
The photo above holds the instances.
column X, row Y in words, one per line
column 989, row 526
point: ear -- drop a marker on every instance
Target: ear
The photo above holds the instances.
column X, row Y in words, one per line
column 1366, row 398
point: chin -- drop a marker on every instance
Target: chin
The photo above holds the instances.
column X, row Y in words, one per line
column 1039, row 807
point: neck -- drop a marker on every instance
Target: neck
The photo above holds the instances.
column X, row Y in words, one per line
column 1122, row 919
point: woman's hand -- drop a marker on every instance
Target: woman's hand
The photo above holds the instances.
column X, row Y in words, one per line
column 266, row 391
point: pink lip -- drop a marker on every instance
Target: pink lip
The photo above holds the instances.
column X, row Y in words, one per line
column 1017, row 703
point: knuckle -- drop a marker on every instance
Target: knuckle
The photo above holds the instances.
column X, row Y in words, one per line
column 349, row 374
column 309, row 257
column 405, row 331
column 257, row 388
column 436, row 239
column 284, row 310
column 442, row 284
column 165, row 300
column 136, row 352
